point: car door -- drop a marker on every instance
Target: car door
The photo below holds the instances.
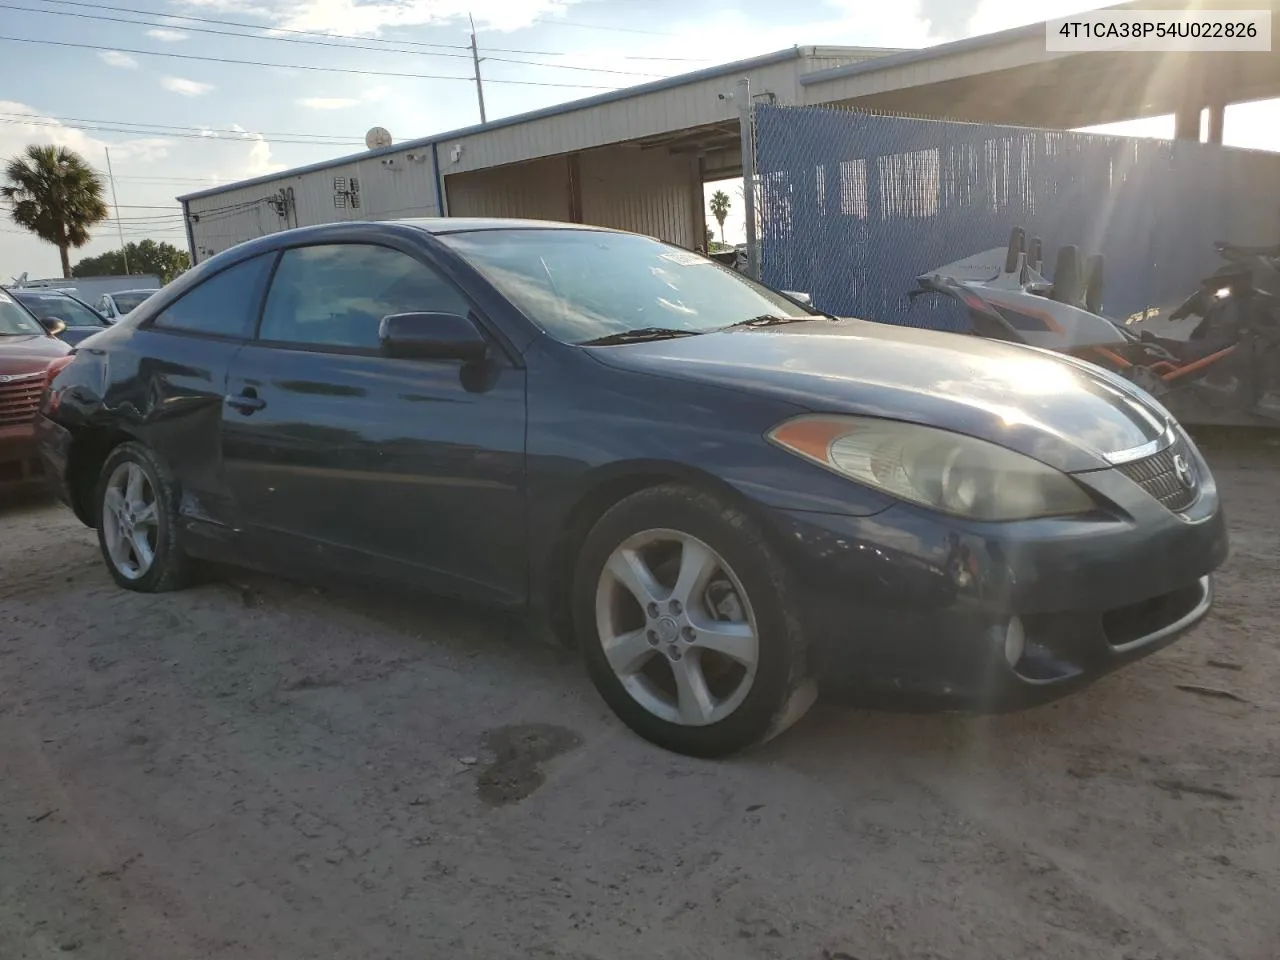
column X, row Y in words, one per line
column 169, row 378
column 341, row 457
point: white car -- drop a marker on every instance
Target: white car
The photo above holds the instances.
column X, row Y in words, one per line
column 115, row 305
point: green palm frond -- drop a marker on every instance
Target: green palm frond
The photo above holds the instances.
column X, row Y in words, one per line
column 54, row 193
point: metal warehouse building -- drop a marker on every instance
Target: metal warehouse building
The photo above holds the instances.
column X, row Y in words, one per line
column 634, row 159
column 637, row 158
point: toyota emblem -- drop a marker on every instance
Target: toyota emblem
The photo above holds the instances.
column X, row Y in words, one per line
column 1186, row 475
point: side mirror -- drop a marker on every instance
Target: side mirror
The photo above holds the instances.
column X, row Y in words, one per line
column 431, row 336
column 54, row 325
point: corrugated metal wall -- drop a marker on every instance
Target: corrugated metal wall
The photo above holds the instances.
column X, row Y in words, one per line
column 645, row 191
column 674, row 108
column 538, row 191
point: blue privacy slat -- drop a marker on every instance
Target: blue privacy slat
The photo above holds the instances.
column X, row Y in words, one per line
column 854, row 206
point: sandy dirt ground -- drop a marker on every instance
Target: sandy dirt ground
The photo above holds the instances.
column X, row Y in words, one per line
column 257, row 769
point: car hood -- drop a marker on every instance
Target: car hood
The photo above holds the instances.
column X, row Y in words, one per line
column 29, row 354
column 1063, row 412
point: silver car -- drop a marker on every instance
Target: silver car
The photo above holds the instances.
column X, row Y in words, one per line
column 115, row 305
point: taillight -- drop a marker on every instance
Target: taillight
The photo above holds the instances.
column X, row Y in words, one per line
column 51, row 398
column 58, row 365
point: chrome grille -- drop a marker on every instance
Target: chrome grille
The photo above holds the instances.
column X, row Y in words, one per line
column 20, row 398
column 1158, row 475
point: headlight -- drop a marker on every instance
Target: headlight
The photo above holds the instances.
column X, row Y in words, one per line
column 947, row 471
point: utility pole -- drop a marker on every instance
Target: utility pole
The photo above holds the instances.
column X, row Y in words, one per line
column 475, row 59
column 116, row 203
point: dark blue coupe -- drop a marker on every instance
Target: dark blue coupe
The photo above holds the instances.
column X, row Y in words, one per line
column 726, row 500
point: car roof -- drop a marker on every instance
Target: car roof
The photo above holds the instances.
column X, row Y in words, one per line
column 116, row 293
column 439, row 225
column 335, row 231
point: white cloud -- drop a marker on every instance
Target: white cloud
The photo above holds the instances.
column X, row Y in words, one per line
column 39, row 128
column 377, row 94
column 259, row 162
column 229, row 158
column 114, row 58
column 166, row 35
column 328, row 103
column 188, row 88
column 992, row 15
column 372, row 17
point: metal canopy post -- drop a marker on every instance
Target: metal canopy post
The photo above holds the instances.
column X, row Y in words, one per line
column 746, row 123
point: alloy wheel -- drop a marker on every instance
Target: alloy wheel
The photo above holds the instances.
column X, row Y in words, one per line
column 677, row 627
column 130, row 521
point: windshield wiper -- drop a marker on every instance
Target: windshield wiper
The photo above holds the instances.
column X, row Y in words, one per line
column 639, row 335
column 767, row 320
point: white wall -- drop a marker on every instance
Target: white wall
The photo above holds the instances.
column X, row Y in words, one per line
column 393, row 186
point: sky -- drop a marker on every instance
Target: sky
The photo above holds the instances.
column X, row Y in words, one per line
column 105, row 78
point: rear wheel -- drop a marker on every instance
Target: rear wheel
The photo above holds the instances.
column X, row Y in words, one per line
column 683, row 613
column 137, row 521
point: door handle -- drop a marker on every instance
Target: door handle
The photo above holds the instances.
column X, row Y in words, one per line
column 246, row 402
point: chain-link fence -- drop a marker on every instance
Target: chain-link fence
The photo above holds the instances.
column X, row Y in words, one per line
column 853, row 207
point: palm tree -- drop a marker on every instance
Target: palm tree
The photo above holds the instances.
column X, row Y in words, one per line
column 720, row 209
column 56, row 195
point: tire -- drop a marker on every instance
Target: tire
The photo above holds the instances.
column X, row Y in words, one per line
column 1067, row 287
column 743, row 705
column 169, row 567
column 1093, row 272
column 1017, row 241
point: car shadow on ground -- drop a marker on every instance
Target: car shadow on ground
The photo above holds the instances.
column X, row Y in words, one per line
column 837, row 733
column 19, row 502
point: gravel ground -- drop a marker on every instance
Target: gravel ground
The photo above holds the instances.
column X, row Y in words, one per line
column 256, row 769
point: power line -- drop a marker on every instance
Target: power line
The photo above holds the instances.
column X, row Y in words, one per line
column 338, row 36
column 132, row 131
column 324, row 43
column 298, row 66
column 154, row 217
column 202, row 131
column 141, row 179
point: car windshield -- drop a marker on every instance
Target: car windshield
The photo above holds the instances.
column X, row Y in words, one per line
column 14, row 321
column 127, row 301
column 582, row 285
column 67, row 309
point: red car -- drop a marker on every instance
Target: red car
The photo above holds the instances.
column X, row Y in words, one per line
column 29, row 356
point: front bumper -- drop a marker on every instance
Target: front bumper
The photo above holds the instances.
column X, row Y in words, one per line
column 53, row 442
column 917, row 605
column 19, row 460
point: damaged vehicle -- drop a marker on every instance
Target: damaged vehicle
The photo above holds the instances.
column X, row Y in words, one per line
column 725, row 499
column 1226, row 369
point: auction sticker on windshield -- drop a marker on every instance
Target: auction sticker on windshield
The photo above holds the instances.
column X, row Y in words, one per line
column 683, row 259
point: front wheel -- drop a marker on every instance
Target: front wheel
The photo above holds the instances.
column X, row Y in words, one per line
column 684, row 616
column 137, row 521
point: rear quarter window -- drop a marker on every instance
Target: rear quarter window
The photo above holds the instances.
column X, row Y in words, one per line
column 224, row 305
